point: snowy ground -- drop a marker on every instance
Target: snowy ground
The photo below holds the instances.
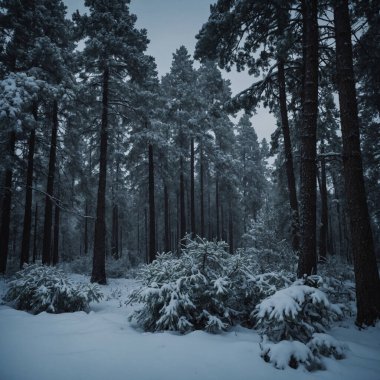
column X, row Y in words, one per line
column 103, row 345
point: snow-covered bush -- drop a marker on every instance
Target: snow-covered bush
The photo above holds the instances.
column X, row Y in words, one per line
column 295, row 313
column 293, row 322
column 204, row 288
column 41, row 288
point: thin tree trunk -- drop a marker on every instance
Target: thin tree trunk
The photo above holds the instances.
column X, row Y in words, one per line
column 201, row 185
column 230, row 229
column 217, row 208
column 152, row 211
column 6, row 205
column 146, row 236
column 308, row 258
column 86, row 229
column 56, row 235
column 366, row 271
column 48, row 220
column 25, row 245
column 288, row 157
column 182, row 204
column 35, row 233
column 192, row 189
column 323, row 230
column 99, row 257
column 166, row 216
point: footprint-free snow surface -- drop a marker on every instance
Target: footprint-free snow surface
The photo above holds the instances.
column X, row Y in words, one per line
column 103, row 345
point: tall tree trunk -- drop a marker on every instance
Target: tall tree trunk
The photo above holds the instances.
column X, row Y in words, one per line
column 25, row 245
column 324, row 225
column 35, row 234
column 48, row 220
column 55, row 255
column 217, row 208
column 146, row 235
column 308, row 258
column 152, row 210
column 192, row 189
column 230, row 229
column 99, row 257
column 6, row 204
column 115, row 232
column 182, row 203
column 366, row 272
column 86, row 229
column 201, row 185
column 288, row 156
column 166, row 216
column 222, row 222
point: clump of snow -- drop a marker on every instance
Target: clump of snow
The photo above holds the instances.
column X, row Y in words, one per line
column 326, row 345
column 42, row 288
column 287, row 354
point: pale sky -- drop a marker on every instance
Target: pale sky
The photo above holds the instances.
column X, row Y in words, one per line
column 172, row 23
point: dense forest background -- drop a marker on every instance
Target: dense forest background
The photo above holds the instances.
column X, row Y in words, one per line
column 101, row 159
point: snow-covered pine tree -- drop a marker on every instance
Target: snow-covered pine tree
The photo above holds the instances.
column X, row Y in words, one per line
column 114, row 51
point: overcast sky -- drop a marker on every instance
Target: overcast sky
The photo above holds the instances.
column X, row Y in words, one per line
column 172, row 23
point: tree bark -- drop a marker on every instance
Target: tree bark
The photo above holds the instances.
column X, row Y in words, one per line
column 308, row 258
column 192, row 189
column 86, row 229
column 99, row 256
column 35, row 234
column 55, row 257
column 323, row 230
column 288, row 157
column 152, row 211
column 6, row 205
column 182, row 204
column 230, row 229
column 27, row 225
column 201, row 185
column 366, row 272
column 217, row 208
column 166, row 216
column 48, row 220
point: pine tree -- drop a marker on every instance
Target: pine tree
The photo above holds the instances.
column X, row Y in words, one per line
column 308, row 257
column 113, row 50
column 366, row 272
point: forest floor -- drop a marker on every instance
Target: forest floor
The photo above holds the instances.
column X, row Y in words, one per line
column 103, row 345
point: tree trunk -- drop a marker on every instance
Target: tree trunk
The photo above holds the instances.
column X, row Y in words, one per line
column 35, row 234
column 288, row 157
column 166, row 216
column 146, row 236
column 56, row 235
column 201, row 185
column 115, row 232
column 99, row 257
column 217, row 208
column 152, row 211
column 182, row 204
column 308, row 258
column 230, row 229
column 48, row 221
column 366, row 272
column 6, row 204
column 25, row 245
column 86, row 229
column 192, row 190
column 323, row 230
